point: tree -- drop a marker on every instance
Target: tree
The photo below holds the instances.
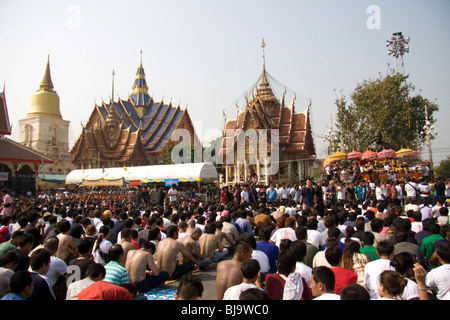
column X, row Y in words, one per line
column 384, row 104
column 443, row 170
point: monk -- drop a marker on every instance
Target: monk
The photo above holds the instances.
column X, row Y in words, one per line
column 229, row 271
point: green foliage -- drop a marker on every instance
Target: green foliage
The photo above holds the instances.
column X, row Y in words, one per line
column 384, row 104
column 443, row 170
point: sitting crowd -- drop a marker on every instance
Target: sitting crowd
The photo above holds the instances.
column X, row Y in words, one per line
column 293, row 248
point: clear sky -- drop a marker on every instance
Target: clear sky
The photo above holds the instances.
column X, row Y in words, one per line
column 205, row 54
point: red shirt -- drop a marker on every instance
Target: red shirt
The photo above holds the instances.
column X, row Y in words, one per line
column 275, row 287
column 102, row 290
column 343, row 277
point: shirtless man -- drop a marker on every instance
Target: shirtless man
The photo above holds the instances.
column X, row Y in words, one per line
column 229, row 271
column 67, row 249
column 211, row 244
column 142, row 270
column 166, row 255
column 191, row 244
column 125, row 242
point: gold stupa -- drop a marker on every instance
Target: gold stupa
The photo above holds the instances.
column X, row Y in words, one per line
column 45, row 101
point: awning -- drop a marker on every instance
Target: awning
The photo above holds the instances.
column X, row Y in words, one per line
column 159, row 173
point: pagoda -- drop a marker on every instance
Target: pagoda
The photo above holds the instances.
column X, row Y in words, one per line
column 266, row 113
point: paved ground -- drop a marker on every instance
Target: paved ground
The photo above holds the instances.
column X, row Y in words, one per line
column 208, row 278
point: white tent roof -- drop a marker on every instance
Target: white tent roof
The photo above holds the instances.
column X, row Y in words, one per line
column 202, row 170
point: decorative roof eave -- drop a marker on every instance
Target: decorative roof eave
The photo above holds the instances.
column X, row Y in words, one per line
column 38, row 157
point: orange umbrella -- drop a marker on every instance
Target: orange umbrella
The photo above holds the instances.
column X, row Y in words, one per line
column 354, row 155
column 369, row 156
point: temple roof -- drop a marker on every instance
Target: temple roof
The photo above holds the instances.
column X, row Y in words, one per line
column 266, row 111
column 155, row 121
column 5, row 127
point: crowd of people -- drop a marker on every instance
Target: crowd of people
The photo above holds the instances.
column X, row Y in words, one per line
column 324, row 239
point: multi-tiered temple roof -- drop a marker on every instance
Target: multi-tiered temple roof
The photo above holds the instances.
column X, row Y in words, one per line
column 149, row 125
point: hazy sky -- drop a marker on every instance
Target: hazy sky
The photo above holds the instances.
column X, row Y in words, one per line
column 205, row 54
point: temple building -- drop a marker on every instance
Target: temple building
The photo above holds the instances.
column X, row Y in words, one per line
column 263, row 116
column 44, row 129
column 132, row 132
column 19, row 165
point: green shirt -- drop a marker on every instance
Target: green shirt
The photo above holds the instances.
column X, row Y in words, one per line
column 427, row 244
column 370, row 252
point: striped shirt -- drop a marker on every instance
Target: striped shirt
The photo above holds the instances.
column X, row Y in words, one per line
column 115, row 273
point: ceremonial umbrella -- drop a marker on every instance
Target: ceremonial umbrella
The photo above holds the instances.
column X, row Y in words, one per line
column 335, row 157
column 406, row 153
column 369, row 156
column 386, row 154
column 354, row 155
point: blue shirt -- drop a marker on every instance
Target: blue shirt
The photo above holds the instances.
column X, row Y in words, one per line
column 272, row 194
column 244, row 224
column 272, row 251
column 13, row 296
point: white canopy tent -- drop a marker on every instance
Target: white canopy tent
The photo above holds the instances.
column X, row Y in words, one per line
column 159, row 173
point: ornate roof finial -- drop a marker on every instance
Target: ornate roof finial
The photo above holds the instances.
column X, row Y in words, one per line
column 112, row 93
column 263, row 45
column 46, row 83
column 141, row 58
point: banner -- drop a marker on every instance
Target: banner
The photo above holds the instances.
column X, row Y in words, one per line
column 92, row 183
column 170, row 182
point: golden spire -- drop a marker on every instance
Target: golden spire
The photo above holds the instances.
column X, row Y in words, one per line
column 112, row 93
column 264, row 91
column 46, row 83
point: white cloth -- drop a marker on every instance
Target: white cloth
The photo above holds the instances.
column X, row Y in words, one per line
column 305, row 271
column 293, row 288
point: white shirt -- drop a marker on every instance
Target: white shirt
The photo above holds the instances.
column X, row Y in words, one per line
column 341, row 191
column 244, row 196
column 328, row 296
column 411, row 291
column 234, row 292
column 315, row 238
column 57, row 268
column 372, row 272
column 439, row 278
column 283, row 233
column 410, row 189
column 173, row 194
column 425, row 188
column 263, row 260
column 76, row 287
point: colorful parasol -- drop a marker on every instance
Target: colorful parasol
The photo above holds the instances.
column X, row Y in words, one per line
column 335, row 157
column 386, row 154
column 369, row 156
column 406, row 153
column 354, row 155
